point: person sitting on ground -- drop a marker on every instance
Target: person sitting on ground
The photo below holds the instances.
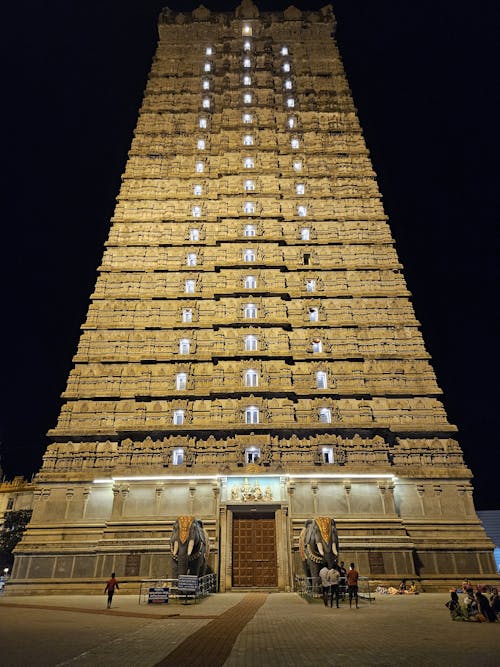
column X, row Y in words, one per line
column 495, row 602
column 484, row 607
column 412, row 589
column 402, row 587
column 471, row 608
column 456, row 611
column 466, row 586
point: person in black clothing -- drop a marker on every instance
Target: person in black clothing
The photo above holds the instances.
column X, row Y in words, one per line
column 484, row 607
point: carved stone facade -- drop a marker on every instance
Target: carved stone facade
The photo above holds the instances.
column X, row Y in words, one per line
column 250, row 320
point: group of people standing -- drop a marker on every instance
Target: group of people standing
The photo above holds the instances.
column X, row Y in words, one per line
column 475, row 605
column 334, row 582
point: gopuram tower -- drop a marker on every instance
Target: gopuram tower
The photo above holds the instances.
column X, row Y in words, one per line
column 250, row 355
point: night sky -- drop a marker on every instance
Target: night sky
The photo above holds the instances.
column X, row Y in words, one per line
column 425, row 80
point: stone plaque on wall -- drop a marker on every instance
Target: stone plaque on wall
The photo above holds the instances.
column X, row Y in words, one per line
column 376, row 562
column 132, row 565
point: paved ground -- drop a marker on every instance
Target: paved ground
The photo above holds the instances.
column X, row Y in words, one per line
column 239, row 630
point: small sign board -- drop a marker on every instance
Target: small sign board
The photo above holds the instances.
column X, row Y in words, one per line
column 187, row 583
column 158, row 595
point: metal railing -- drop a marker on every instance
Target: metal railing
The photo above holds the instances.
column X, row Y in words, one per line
column 203, row 587
column 310, row 588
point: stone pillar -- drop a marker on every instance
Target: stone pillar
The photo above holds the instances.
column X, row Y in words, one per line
column 347, row 491
column 314, row 491
column 85, row 494
column 283, row 549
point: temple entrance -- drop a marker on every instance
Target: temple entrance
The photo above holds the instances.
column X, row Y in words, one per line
column 254, row 551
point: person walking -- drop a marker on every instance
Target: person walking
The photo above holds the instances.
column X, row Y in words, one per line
column 111, row 586
column 352, row 584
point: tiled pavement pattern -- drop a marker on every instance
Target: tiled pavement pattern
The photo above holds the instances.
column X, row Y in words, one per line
column 285, row 630
column 215, row 641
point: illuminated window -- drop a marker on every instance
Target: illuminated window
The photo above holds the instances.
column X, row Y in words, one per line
column 205, row 103
column 194, row 234
column 247, row 81
column 290, row 102
column 178, row 453
column 300, row 188
column 248, row 163
column 209, row 51
column 249, row 230
column 196, row 211
column 288, row 84
column 286, row 67
column 310, row 285
column 248, row 140
column 297, row 165
column 207, row 67
column 305, row 234
column 284, row 50
column 197, row 190
column 191, row 259
column 184, row 346
column 247, row 62
column 317, row 345
column 325, row 415
column 249, row 207
column 246, row 30
column 206, row 84
column 252, row 454
column 291, row 122
column 250, row 311
column 294, row 143
column 181, row 381
column 252, row 415
column 249, row 255
column 189, row 286
column 251, row 343
column 302, row 211
column 251, row 378
column 321, row 380
column 313, row 314
column 201, row 144
column 247, row 46
column 247, row 98
column 247, row 118
column 200, row 167
column 249, row 185
column 178, row 421
column 187, row 315
column 250, row 282
column 327, row 454
column 203, row 123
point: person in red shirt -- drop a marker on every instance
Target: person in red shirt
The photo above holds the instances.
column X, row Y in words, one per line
column 352, row 584
column 111, row 586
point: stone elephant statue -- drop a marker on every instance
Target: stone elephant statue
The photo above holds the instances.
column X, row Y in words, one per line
column 318, row 545
column 190, row 547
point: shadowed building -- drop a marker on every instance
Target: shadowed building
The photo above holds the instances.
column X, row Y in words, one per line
column 250, row 355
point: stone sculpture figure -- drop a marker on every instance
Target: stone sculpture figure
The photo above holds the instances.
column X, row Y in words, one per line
column 318, row 545
column 190, row 547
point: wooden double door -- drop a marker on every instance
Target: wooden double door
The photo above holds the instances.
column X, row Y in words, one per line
column 254, row 552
